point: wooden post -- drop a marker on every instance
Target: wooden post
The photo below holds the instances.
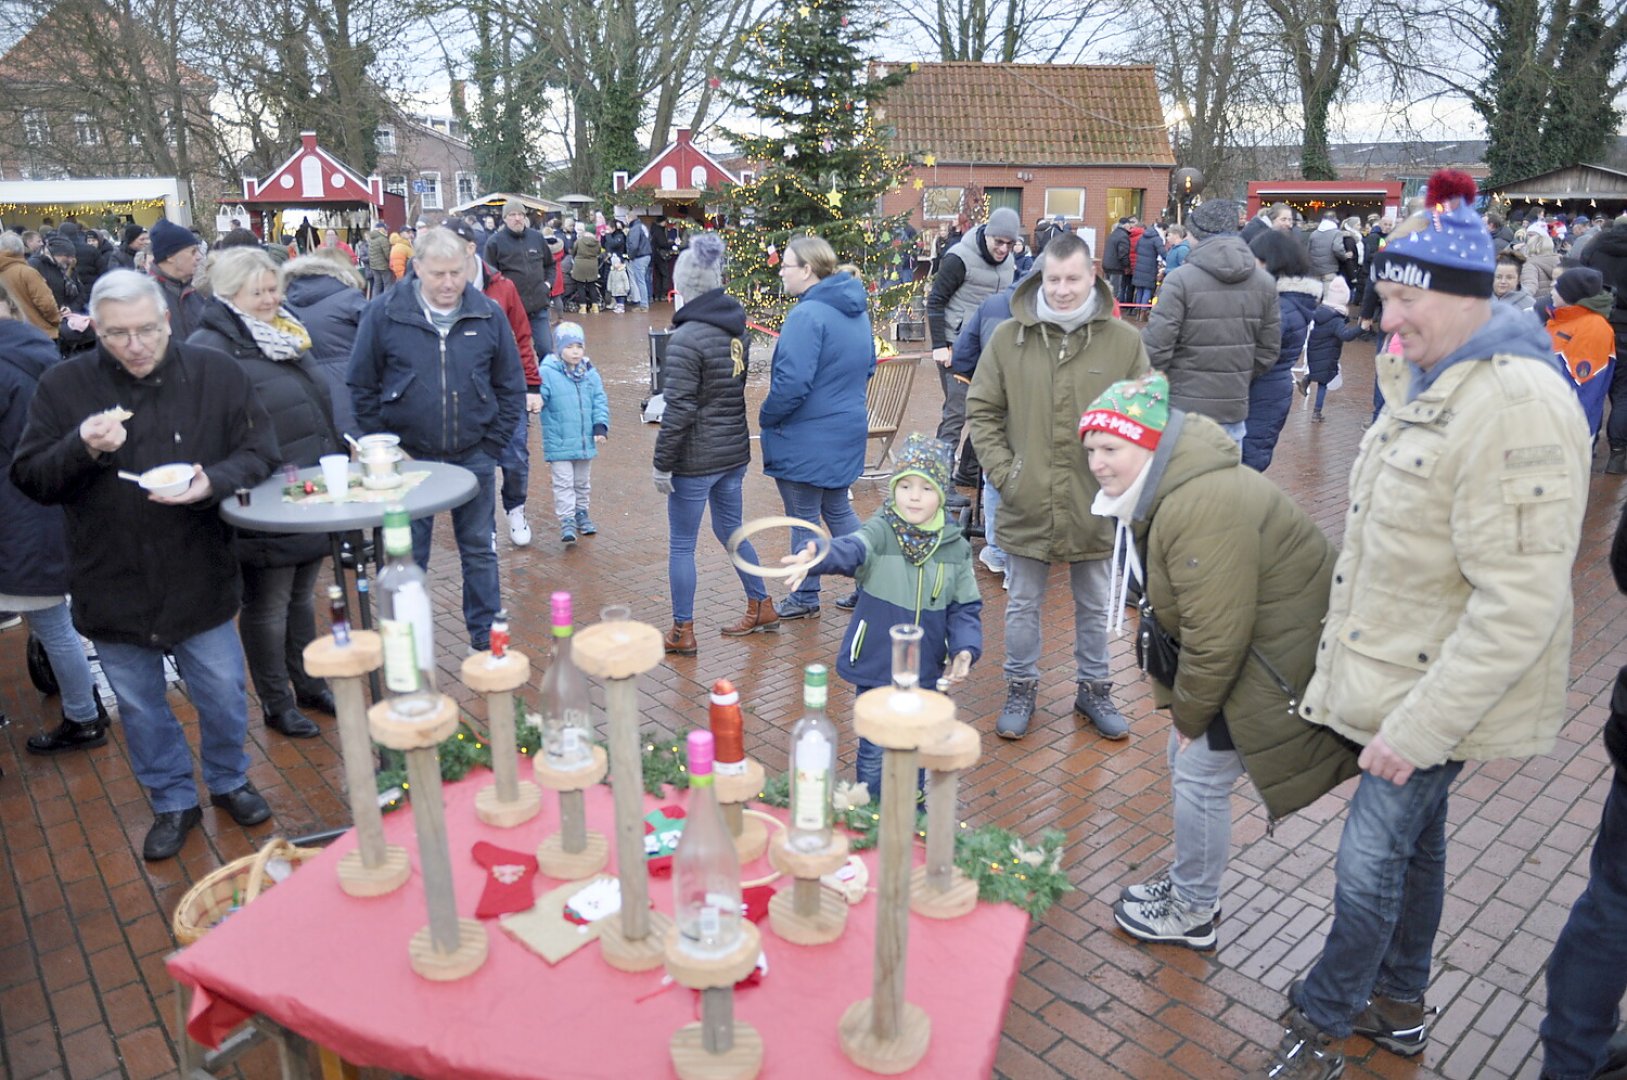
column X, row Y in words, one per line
column 573, row 852
column 939, row 890
column 374, row 868
column 884, row 1033
column 733, row 792
column 449, row 947
column 811, row 914
column 510, row 801
column 718, row 1047
column 618, row 652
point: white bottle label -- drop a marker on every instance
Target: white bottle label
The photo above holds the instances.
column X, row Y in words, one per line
column 711, row 922
column 412, row 607
column 813, row 783
column 400, row 658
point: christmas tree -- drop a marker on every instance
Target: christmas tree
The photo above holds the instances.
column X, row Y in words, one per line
column 823, row 161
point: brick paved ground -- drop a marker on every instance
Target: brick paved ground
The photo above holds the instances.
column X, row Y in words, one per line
column 84, row 923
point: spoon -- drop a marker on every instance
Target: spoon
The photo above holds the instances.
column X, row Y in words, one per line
column 134, row 478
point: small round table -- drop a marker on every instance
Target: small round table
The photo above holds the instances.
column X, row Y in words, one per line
column 445, row 487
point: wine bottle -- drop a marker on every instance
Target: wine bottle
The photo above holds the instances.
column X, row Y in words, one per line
column 705, row 868
column 406, row 623
column 567, row 729
column 728, row 729
column 813, row 767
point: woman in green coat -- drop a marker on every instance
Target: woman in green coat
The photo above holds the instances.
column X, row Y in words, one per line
column 1236, row 580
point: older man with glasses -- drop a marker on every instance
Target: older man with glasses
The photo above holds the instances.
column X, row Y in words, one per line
column 151, row 572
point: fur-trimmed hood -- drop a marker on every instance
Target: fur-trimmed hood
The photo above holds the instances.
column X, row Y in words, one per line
column 320, row 266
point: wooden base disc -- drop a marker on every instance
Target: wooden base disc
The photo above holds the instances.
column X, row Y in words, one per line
column 820, row 928
column 691, row 1061
column 899, row 720
column 505, row 815
column 576, row 779
column 957, row 900
column 887, row 1057
column 646, row 954
column 713, row 972
column 426, row 731
column 463, row 961
column 325, row 658
column 807, row 864
column 752, row 841
column 357, row 879
column 556, row 862
column 742, row 786
column 484, row 675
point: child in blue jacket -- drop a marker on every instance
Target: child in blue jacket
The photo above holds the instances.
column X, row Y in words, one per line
column 575, row 420
column 912, row 565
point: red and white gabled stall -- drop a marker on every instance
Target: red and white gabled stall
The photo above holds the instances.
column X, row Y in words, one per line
column 315, row 185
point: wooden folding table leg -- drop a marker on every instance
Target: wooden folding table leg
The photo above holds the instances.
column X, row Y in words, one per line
column 335, row 1067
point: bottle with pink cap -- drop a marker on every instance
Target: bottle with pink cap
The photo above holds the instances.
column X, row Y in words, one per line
column 567, row 726
column 705, row 868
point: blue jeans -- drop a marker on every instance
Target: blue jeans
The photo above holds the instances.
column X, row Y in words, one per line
column 477, row 547
column 212, row 665
column 991, row 507
column 689, row 499
column 54, row 627
column 542, row 334
column 639, row 272
column 1143, row 294
column 1321, row 395
column 1390, row 884
column 1236, row 431
column 812, row 503
column 516, row 463
column 1587, row 973
column 1089, row 583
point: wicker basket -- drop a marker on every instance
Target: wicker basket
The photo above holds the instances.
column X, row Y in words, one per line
column 239, row 881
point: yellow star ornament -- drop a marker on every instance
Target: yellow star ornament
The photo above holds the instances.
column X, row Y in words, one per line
column 919, row 184
column 834, row 198
column 804, row 10
column 930, row 160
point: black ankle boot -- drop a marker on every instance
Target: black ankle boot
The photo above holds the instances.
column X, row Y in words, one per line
column 71, row 734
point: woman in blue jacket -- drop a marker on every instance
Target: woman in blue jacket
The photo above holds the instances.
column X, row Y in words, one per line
column 1298, row 294
column 813, row 421
column 34, row 546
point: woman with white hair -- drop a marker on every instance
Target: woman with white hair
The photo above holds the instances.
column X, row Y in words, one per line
column 245, row 320
column 1541, row 263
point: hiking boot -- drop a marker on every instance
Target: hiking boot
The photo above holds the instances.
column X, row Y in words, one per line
column 680, row 640
column 1166, row 922
column 760, row 617
column 1401, row 1027
column 1018, row 709
column 1618, row 461
column 1159, row 888
column 72, row 734
column 1305, row 1053
column 1095, row 703
column 584, row 524
column 1316, row 416
column 567, row 530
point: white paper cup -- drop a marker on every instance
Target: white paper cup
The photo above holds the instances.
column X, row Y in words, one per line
column 336, row 474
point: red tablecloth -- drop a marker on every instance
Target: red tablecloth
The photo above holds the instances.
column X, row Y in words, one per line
column 334, row 969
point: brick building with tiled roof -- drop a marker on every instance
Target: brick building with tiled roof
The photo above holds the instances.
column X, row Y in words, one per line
column 1084, row 141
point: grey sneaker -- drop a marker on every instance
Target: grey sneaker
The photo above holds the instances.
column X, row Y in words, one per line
column 1166, row 922
column 1095, row 703
column 1018, row 709
column 1305, row 1053
column 1159, row 888
column 1401, row 1027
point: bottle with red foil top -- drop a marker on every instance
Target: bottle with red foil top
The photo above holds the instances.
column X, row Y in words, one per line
column 705, row 869
column 728, row 730
column 499, row 635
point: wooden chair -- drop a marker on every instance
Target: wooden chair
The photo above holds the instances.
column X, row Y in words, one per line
column 885, row 400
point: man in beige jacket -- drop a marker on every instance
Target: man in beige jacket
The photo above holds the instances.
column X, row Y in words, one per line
column 1449, row 623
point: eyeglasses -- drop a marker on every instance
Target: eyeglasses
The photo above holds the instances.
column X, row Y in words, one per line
column 147, row 335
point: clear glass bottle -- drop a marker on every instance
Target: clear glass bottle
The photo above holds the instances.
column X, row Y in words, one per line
column 705, row 868
column 338, row 617
column 906, row 667
column 813, row 767
column 406, row 623
column 567, row 727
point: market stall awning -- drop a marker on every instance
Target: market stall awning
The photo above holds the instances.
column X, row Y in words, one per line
column 313, row 177
column 496, row 199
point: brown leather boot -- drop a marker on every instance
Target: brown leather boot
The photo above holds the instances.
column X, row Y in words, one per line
column 680, row 639
column 760, row 616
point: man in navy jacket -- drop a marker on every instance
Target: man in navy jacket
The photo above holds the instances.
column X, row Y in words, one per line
column 436, row 363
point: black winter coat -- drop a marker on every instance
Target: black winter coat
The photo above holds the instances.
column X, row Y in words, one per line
column 186, row 305
column 67, row 291
column 143, row 573
column 1330, row 329
column 1116, row 252
column 331, row 310
column 704, row 429
column 525, row 259
column 1608, row 255
column 1615, row 727
column 33, row 538
column 296, row 399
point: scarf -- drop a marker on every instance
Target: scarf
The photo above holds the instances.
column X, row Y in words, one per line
column 917, row 541
column 580, row 371
column 283, row 338
column 1069, row 321
column 1126, row 560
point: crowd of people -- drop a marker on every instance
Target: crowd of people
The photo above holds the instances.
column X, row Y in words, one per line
column 1136, row 456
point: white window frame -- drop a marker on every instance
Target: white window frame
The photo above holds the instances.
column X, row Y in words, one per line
column 384, row 139
column 1073, row 210
column 36, row 129
column 432, row 190
column 397, row 185
column 85, row 131
column 931, row 195
column 466, row 182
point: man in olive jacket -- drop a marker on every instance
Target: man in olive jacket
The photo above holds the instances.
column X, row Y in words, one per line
column 1449, row 622
column 1040, row 370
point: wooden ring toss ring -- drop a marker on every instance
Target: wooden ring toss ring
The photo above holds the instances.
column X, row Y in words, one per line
column 757, row 525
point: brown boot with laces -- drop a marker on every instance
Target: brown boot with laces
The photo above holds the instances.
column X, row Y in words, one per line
column 760, row 617
column 680, row 640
